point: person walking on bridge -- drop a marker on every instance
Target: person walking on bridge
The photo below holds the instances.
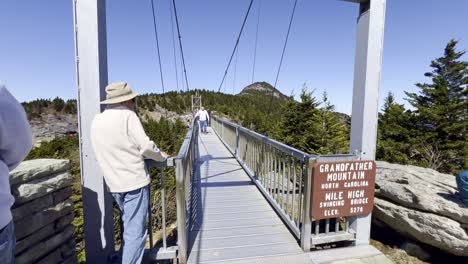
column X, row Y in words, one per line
column 15, row 144
column 121, row 145
column 203, row 118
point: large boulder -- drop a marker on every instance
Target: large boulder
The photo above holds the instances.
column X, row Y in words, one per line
column 422, row 204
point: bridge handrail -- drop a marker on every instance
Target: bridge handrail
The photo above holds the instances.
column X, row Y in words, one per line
column 278, row 145
column 163, row 252
column 283, row 174
column 185, row 163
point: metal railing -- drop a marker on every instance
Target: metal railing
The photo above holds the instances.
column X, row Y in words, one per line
column 185, row 163
column 283, row 174
column 160, row 252
column 184, row 169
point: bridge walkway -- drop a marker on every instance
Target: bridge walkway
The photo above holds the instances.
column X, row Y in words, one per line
column 231, row 220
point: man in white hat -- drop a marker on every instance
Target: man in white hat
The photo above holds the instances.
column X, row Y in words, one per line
column 120, row 145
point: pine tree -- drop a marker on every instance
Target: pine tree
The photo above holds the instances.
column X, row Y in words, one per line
column 299, row 123
column 394, row 132
column 441, row 112
column 333, row 135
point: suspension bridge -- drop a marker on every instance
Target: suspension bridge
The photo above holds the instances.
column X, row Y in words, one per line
column 241, row 197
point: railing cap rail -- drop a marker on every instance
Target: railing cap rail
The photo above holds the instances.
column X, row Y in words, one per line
column 285, row 148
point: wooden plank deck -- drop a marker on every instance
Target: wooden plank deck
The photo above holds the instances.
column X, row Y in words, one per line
column 232, row 221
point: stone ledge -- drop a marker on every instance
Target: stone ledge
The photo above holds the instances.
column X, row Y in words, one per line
column 38, row 204
column 40, row 187
column 60, row 254
column 43, row 233
column 38, row 220
column 36, row 169
column 43, row 248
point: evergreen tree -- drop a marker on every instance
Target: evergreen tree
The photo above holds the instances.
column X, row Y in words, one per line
column 333, row 135
column 394, row 135
column 58, row 104
column 298, row 127
column 441, row 112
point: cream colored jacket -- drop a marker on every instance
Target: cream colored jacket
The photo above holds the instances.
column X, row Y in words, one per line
column 120, row 145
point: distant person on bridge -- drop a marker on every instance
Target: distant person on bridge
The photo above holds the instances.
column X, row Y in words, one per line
column 15, row 144
column 203, row 118
column 121, row 144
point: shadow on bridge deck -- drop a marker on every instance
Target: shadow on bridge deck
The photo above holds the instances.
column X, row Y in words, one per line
column 231, row 220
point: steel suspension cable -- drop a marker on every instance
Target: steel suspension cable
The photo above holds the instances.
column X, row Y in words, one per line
column 281, row 61
column 157, row 45
column 174, row 48
column 285, row 42
column 235, row 72
column 180, row 45
column 256, row 40
column 235, row 46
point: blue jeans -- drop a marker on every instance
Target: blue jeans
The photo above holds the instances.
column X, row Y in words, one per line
column 203, row 126
column 7, row 244
column 133, row 206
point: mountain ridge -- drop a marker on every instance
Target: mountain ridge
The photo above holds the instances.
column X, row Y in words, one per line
column 263, row 87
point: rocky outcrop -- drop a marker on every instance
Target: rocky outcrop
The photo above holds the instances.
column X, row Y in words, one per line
column 52, row 125
column 423, row 205
column 263, row 87
column 159, row 112
column 42, row 212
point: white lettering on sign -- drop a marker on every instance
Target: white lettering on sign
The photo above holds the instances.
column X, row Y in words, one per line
column 355, row 210
column 356, row 184
column 331, row 196
column 331, row 212
column 355, row 194
column 332, row 204
column 359, row 201
column 346, row 166
column 344, row 176
column 330, row 185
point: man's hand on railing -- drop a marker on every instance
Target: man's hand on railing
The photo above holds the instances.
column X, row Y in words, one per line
column 165, row 155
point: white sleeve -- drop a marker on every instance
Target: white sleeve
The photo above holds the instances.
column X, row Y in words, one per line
column 147, row 147
column 15, row 132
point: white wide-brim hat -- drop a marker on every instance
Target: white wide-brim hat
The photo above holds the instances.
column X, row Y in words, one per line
column 118, row 92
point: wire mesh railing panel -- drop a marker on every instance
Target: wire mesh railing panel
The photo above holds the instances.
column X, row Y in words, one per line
column 284, row 176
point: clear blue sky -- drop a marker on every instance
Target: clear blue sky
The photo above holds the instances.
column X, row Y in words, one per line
column 37, row 49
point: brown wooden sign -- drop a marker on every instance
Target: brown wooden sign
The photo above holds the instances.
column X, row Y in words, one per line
column 344, row 188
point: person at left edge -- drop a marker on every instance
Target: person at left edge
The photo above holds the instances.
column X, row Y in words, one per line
column 15, row 144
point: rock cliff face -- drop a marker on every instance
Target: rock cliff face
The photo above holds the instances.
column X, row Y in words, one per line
column 50, row 126
column 422, row 204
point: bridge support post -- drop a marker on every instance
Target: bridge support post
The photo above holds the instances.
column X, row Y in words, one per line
column 236, row 151
column 91, row 76
column 306, row 228
column 367, row 69
column 181, row 213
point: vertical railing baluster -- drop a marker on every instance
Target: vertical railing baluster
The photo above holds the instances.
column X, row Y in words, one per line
column 327, row 226
column 288, row 202
column 317, row 227
column 306, row 219
column 301, row 187
column 163, row 201
column 294, row 193
column 150, row 219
